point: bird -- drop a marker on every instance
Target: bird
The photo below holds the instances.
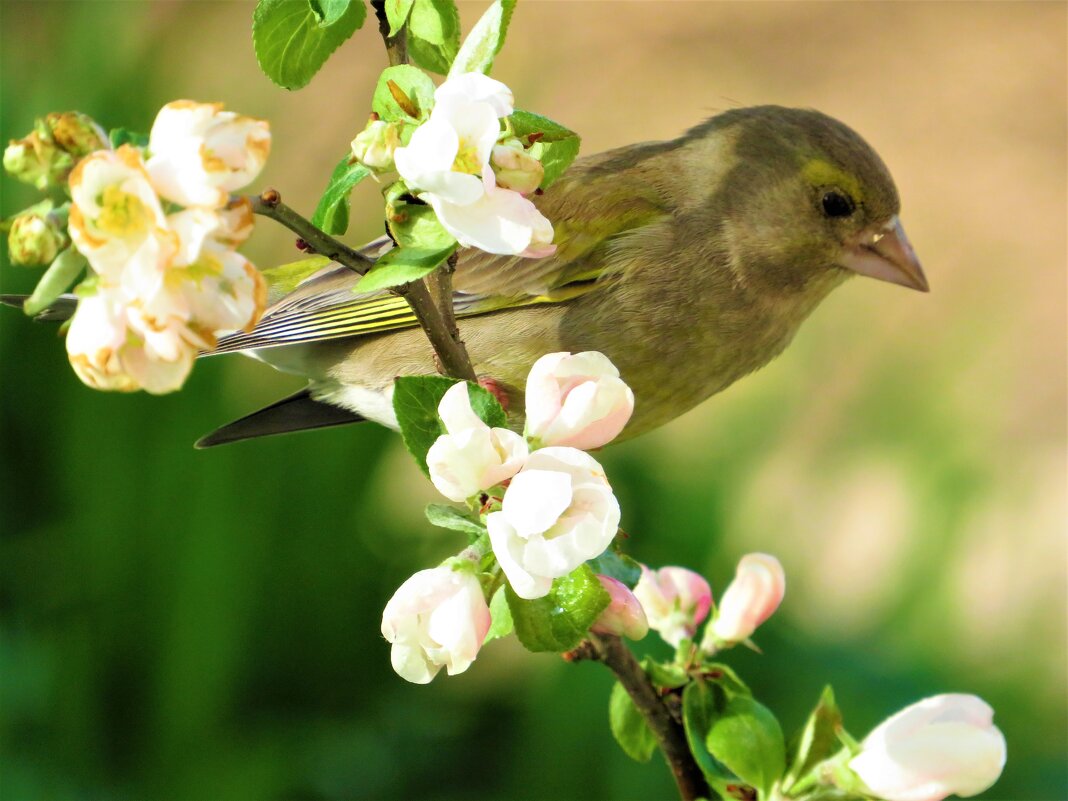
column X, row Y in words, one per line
column 690, row 263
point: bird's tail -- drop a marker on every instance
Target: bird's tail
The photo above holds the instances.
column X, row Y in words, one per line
column 61, row 310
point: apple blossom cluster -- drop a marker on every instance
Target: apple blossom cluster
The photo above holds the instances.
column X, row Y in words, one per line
column 158, row 230
column 547, row 506
column 466, row 162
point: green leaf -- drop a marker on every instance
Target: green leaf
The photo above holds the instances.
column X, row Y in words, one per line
column 284, row 278
column 555, row 148
column 486, row 406
column 294, row 38
column 415, row 225
column 401, row 266
column 628, row 726
column 397, row 14
column 413, row 84
column 434, row 34
column 617, row 565
column 818, row 739
column 701, row 704
column 121, row 136
column 559, row 621
column 500, row 617
column 415, row 402
column 445, row 516
column 724, row 676
column 332, row 213
column 57, row 279
column 747, row 738
column 485, row 40
column 666, row 675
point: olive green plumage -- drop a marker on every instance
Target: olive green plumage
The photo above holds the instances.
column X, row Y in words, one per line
column 689, row 263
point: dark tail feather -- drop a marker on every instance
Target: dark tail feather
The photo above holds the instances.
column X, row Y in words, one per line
column 298, row 412
column 62, row 308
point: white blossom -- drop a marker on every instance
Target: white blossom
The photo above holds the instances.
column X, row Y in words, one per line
column 937, row 747
column 447, row 164
column 201, row 153
column 437, row 618
column 755, row 593
column 471, row 456
column 675, row 601
column 557, row 512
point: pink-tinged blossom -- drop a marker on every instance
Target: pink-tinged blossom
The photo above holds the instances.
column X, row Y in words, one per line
column 675, row 600
column 576, row 400
column 940, row 746
column 624, row 615
column 437, row 618
column 755, row 593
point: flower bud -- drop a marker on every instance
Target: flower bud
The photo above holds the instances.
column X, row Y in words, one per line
column 471, row 456
column 37, row 235
column 576, row 400
column 940, row 746
column 757, row 590
column 515, row 168
column 623, row 615
column 437, row 618
column 36, row 160
column 76, row 133
column 374, row 145
column 675, row 600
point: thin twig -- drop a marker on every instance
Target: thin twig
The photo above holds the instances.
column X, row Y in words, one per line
column 431, row 298
column 668, row 731
column 269, row 204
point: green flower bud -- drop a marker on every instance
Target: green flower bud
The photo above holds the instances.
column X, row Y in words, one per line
column 37, row 161
column 515, row 168
column 374, row 145
column 37, row 235
column 76, row 133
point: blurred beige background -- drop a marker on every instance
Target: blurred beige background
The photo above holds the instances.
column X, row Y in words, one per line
column 906, row 456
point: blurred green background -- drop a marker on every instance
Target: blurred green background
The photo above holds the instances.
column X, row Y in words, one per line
column 204, row 625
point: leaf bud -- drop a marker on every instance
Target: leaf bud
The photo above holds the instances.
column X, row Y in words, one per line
column 36, row 160
column 76, row 133
column 37, row 235
column 374, row 145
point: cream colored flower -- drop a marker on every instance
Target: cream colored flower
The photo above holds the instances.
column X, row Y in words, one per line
column 201, row 153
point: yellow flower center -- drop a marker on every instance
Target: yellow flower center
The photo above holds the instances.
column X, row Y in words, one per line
column 467, row 159
column 122, row 214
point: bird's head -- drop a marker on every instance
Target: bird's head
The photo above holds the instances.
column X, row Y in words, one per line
column 806, row 199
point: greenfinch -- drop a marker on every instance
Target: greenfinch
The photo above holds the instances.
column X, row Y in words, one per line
column 689, row 263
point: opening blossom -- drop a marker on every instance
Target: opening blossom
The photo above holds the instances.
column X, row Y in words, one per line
column 557, row 512
column 471, row 456
column 937, row 747
column 447, row 164
column 755, row 593
column 675, row 600
column 437, row 618
column 164, row 284
column 577, row 400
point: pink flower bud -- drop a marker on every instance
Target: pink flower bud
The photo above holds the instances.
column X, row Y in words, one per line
column 675, row 600
column 576, row 400
column 624, row 614
column 749, row 600
column 940, row 746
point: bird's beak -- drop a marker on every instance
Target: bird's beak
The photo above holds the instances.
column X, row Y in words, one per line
column 885, row 253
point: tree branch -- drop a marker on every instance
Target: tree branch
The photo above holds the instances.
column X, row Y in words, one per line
column 396, row 46
column 670, row 735
column 269, row 204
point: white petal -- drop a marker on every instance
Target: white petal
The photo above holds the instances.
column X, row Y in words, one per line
column 474, row 86
column 535, row 500
column 455, row 410
column 508, row 548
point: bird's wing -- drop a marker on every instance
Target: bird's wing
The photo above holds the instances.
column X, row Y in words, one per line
column 317, row 300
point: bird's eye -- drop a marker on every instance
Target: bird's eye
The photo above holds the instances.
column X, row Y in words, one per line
column 835, row 204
